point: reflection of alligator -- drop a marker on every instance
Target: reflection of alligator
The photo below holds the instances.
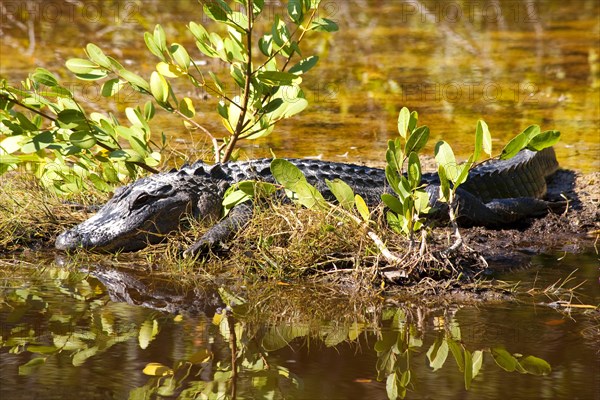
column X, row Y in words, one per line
column 168, row 296
column 496, row 193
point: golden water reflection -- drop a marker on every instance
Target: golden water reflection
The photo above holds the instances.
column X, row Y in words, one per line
column 512, row 63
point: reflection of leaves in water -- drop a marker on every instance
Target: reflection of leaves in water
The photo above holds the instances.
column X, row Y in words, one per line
column 38, row 323
column 88, row 326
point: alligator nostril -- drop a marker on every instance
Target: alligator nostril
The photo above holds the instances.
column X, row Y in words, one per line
column 67, row 240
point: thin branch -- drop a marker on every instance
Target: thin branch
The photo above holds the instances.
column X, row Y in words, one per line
column 33, row 110
column 203, row 129
column 458, row 240
column 240, row 123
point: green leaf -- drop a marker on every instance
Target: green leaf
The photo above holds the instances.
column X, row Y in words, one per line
column 362, row 208
column 272, row 105
column 95, row 54
column 152, row 46
column 544, row 140
column 504, row 359
column 160, row 39
column 186, row 107
column 25, row 122
column 180, row 56
column 125, row 155
column 71, row 119
column 279, row 78
column 397, row 222
column 9, row 159
column 234, row 50
column 535, row 366
column 394, row 155
column 404, row 189
column 392, row 202
column 31, row 365
column 41, row 349
column 403, row 120
column 291, row 178
column 234, row 198
column 304, row 65
column 134, row 115
column 289, row 109
column 457, row 352
column 342, row 192
column 519, row 142
column 44, row 77
column 199, row 32
column 149, row 110
column 99, row 183
column 444, row 184
column 159, row 87
column 147, row 333
column 421, row 201
column 83, row 66
column 136, row 81
column 323, row 25
column 82, row 139
column 157, row 369
column 438, row 353
column 217, row 10
column 483, row 140
column 295, row 10
column 112, row 87
column 81, row 356
column 392, row 178
column 412, row 123
column 169, row 70
column 265, row 44
column 417, row 140
column 11, row 144
column 392, row 386
column 414, row 170
column 463, row 171
column 468, row 369
column 477, row 362
column 444, row 156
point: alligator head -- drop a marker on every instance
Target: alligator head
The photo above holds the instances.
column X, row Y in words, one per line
column 143, row 212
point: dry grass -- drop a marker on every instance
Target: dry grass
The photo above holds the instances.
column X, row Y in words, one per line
column 31, row 217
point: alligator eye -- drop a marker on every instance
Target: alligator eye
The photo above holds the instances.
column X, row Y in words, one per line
column 140, row 201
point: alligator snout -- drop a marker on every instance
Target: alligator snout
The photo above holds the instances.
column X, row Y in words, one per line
column 69, row 240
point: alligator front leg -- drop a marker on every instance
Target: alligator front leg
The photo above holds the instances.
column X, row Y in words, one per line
column 223, row 231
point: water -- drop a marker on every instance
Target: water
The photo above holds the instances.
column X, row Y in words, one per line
column 291, row 342
column 454, row 62
column 512, row 63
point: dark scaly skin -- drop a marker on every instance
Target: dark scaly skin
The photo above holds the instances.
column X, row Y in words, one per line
column 495, row 193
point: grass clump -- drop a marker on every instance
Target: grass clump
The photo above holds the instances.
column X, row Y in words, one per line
column 284, row 242
column 31, row 217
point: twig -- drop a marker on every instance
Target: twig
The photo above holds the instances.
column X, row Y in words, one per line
column 214, row 141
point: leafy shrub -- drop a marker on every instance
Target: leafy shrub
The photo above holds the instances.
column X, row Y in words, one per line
column 75, row 148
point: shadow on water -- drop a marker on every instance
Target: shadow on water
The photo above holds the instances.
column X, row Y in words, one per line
column 114, row 333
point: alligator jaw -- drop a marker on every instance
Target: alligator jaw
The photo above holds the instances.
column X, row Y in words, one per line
column 72, row 239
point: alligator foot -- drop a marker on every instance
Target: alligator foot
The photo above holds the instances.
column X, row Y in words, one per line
column 220, row 233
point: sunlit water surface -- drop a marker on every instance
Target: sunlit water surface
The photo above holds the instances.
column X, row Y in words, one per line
column 64, row 338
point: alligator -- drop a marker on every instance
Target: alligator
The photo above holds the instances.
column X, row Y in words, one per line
column 496, row 193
